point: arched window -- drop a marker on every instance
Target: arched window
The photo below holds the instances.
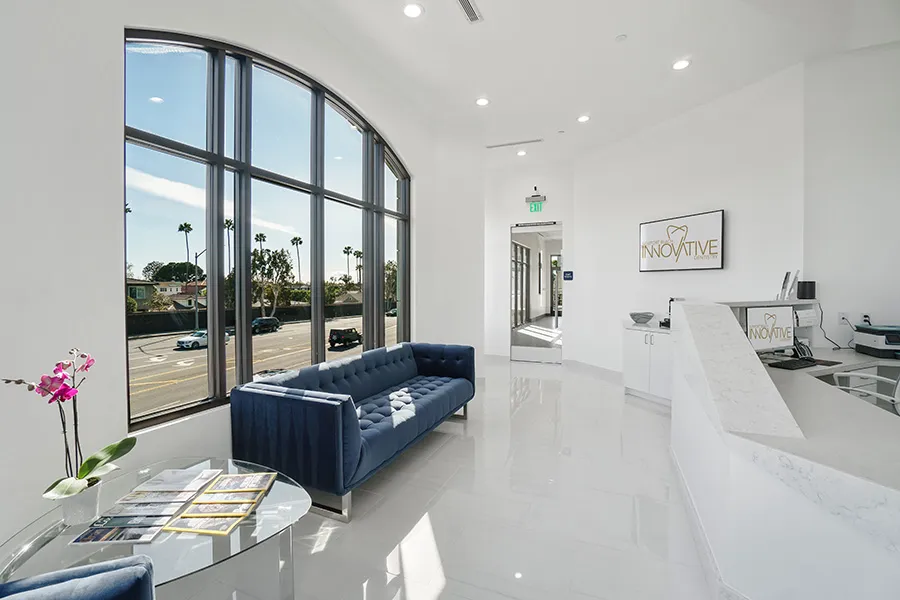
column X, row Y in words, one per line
column 267, row 224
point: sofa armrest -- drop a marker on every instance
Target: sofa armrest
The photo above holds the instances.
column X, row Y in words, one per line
column 445, row 360
column 312, row 437
column 128, row 578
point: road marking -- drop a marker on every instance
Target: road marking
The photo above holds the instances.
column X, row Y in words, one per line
column 185, row 363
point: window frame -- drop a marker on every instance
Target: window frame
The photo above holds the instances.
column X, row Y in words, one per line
column 376, row 153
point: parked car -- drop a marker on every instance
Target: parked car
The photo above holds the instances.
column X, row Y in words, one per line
column 391, row 313
column 265, row 324
column 198, row 339
column 343, row 337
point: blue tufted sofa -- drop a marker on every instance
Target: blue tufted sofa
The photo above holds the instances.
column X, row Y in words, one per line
column 128, row 578
column 332, row 426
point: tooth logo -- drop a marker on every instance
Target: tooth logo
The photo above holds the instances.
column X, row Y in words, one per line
column 771, row 320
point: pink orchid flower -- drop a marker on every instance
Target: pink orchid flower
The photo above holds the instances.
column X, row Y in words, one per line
column 62, row 366
column 50, row 385
column 88, row 363
column 63, row 393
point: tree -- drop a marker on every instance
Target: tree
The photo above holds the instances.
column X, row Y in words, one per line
column 129, row 270
column 357, row 254
column 300, row 296
column 130, row 304
column 296, row 242
column 151, row 270
column 159, row 302
column 348, row 251
column 178, row 271
column 332, row 291
column 127, row 209
column 229, row 227
column 186, row 228
column 271, row 271
column 229, row 290
column 260, row 238
column 390, row 281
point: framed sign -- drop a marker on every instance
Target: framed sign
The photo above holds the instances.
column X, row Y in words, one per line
column 688, row 243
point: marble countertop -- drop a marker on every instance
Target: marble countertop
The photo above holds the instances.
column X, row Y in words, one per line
column 646, row 327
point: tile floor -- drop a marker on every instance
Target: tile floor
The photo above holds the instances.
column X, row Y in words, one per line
column 558, row 487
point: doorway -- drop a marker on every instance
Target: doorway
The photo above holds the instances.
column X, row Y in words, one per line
column 535, row 303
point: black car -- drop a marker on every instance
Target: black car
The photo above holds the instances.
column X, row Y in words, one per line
column 343, row 337
column 265, row 324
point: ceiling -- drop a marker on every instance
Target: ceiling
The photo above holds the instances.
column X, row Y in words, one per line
column 544, row 63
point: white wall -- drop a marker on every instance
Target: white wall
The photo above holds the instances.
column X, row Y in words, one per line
column 61, row 163
column 742, row 153
column 852, row 185
column 504, row 206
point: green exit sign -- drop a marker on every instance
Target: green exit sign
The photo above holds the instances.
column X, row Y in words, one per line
column 536, row 207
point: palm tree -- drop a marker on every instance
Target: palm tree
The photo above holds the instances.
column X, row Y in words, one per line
column 186, row 228
column 296, row 242
column 348, row 250
column 358, row 256
column 260, row 238
column 229, row 227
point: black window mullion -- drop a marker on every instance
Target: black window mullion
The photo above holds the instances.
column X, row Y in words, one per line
column 215, row 228
column 243, row 293
column 317, row 228
column 377, row 262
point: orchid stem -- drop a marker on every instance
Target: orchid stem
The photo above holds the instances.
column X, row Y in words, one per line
column 62, row 419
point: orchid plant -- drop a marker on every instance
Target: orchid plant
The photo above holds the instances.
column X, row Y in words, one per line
column 62, row 389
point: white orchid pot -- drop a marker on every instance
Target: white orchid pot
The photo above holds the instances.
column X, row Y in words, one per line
column 82, row 508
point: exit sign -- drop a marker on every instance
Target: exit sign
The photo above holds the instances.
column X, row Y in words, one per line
column 536, row 207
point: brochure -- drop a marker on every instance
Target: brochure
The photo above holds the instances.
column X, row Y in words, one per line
column 178, row 480
column 117, row 535
column 218, row 510
column 147, row 497
column 130, row 522
column 229, row 498
column 156, row 509
column 246, row 482
column 212, row 525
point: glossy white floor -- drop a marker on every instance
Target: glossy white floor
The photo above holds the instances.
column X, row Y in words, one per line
column 559, row 486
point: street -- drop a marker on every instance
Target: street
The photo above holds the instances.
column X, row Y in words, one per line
column 161, row 376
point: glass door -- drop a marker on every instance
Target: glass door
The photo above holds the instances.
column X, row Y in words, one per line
column 535, row 293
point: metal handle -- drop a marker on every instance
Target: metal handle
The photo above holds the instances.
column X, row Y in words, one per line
column 651, row 340
column 646, row 335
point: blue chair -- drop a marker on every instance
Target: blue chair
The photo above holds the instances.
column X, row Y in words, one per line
column 128, row 578
column 334, row 425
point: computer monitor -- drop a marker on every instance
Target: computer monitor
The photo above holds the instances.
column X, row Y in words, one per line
column 770, row 328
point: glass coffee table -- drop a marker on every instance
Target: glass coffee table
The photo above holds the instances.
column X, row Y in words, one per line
column 44, row 545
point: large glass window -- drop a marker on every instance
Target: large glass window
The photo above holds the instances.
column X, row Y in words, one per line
column 344, row 288
column 226, row 281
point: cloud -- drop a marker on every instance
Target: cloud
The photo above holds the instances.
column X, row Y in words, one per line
column 143, row 48
column 188, row 195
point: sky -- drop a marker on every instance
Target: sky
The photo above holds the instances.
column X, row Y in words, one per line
column 166, row 95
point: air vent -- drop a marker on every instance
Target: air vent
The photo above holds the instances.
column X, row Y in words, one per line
column 508, row 144
column 472, row 12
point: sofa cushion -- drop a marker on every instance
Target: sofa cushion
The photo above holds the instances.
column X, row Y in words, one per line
column 394, row 417
column 357, row 376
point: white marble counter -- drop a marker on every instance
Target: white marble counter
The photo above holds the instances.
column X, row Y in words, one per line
column 645, row 327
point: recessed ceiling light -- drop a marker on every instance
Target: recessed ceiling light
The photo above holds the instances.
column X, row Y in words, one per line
column 681, row 64
column 518, row 576
column 413, row 11
column 521, row 153
column 482, row 102
column 156, row 100
column 583, row 119
column 338, row 158
column 621, row 37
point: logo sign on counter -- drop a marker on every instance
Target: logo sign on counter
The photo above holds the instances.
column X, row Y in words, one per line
column 770, row 327
column 692, row 242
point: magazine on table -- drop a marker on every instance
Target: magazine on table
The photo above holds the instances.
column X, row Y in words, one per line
column 178, row 480
column 218, row 510
column 209, row 525
column 156, row 509
column 229, row 498
column 155, row 497
column 130, row 522
column 117, row 535
column 243, row 482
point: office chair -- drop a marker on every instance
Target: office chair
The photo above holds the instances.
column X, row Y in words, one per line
column 893, row 400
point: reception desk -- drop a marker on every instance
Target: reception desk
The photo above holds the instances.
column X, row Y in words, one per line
column 793, row 484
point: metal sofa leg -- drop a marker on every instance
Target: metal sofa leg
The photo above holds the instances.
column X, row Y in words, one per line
column 465, row 414
column 332, row 506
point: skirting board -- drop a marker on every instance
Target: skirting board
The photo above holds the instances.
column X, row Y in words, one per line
column 719, row 590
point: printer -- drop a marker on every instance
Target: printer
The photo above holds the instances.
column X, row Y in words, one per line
column 882, row 341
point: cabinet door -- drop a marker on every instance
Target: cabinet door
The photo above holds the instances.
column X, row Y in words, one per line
column 661, row 365
column 636, row 360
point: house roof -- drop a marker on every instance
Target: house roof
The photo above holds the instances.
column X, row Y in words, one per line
column 130, row 281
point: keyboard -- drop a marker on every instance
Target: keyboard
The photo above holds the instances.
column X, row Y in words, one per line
column 795, row 363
